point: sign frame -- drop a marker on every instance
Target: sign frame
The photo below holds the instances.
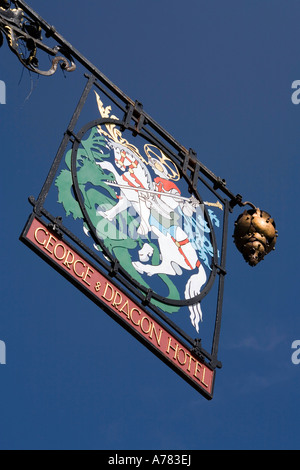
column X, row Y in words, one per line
column 22, row 24
column 136, row 121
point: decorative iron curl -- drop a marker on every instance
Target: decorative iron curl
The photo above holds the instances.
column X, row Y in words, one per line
column 24, row 38
column 67, row 65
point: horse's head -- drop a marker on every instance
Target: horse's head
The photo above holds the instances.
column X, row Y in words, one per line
column 124, row 157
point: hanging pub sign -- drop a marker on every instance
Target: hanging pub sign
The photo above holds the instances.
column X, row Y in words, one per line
column 131, row 217
column 130, row 223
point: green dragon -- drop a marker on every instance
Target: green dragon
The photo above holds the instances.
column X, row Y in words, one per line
column 95, row 192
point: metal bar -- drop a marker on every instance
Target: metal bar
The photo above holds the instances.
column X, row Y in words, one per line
column 63, row 146
column 212, row 190
column 109, row 96
column 222, row 273
column 196, row 175
column 26, row 36
column 51, row 32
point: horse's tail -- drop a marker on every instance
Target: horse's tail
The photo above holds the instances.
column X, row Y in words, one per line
column 193, row 289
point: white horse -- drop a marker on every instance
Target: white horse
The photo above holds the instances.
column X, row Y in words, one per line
column 177, row 254
column 176, row 251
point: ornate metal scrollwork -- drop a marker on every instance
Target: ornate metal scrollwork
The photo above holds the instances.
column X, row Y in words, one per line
column 255, row 232
column 24, row 38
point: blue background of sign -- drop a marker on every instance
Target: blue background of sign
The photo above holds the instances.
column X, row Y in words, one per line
column 218, row 76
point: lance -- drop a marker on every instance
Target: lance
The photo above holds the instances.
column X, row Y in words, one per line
column 173, row 196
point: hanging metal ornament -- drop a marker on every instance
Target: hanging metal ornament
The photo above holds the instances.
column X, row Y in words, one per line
column 255, row 235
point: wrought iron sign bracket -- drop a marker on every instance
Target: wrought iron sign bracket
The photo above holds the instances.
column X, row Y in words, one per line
column 199, row 351
column 115, row 267
column 20, row 30
column 221, row 270
column 28, row 20
column 74, row 137
column 156, row 180
column 148, row 297
column 134, row 109
column 134, row 112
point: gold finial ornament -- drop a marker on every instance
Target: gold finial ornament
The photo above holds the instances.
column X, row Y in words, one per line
column 255, row 235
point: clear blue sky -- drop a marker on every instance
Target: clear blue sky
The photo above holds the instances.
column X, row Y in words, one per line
column 217, row 75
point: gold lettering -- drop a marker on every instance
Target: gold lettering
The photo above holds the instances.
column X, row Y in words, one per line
column 190, row 361
column 98, row 286
column 171, row 347
column 198, row 368
column 125, row 309
column 87, row 274
column 74, row 268
column 157, row 337
column 131, row 316
column 149, row 325
column 203, row 377
column 67, row 262
column 55, row 252
column 105, row 292
column 178, row 352
column 120, row 300
column 51, row 238
column 36, row 235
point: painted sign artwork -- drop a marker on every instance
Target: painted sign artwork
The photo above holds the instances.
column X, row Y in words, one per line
column 134, row 206
column 127, row 206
